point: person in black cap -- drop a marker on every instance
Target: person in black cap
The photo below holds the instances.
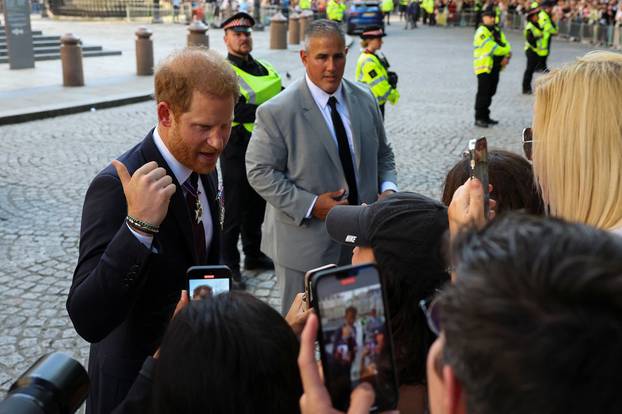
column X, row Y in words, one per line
column 404, row 234
column 244, row 208
column 491, row 53
column 535, row 48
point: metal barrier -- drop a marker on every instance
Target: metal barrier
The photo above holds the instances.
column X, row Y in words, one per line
column 564, row 29
column 466, row 19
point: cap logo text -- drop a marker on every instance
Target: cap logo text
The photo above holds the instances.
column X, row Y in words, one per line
column 350, row 238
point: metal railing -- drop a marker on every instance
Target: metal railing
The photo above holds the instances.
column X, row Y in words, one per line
column 589, row 33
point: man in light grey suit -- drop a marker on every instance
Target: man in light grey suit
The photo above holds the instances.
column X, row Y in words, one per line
column 318, row 144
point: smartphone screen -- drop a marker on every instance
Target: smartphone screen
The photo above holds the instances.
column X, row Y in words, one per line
column 478, row 149
column 309, row 278
column 207, row 281
column 355, row 340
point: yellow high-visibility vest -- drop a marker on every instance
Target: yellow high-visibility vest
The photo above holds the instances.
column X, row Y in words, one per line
column 485, row 47
column 371, row 72
column 335, row 10
column 541, row 49
column 257, row 89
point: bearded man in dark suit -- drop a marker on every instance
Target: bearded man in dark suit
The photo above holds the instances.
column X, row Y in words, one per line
column 149, row 216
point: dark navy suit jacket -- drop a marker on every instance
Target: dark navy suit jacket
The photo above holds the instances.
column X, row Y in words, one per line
column 123, row 294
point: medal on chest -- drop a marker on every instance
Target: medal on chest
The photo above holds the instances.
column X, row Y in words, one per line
column 198, row 210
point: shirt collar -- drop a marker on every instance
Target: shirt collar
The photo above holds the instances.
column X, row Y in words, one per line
column 240, row 61
column 180, row 171
column 320, row 97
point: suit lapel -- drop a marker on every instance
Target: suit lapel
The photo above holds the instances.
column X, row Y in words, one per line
column 177, row 205
column 317, row 123
column 355, row 120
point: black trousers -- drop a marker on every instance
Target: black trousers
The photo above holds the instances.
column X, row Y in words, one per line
column 486, row 89
column 244, row 208
column 382, row 111
column 533, row 63
column 542, row 65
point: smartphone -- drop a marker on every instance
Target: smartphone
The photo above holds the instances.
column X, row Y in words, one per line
column 478, row 167
column 354, row 334
column 309, row 277
column 207, row 281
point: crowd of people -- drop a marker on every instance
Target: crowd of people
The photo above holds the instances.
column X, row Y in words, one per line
column 514, row 311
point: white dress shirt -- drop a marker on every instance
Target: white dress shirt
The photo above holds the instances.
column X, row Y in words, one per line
column 181, row 173
column 321, row 100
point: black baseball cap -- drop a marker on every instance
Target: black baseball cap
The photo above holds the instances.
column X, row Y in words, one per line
column 407, row 232
column 388, row 221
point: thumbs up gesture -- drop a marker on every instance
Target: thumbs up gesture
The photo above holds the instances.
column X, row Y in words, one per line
column 147, row 192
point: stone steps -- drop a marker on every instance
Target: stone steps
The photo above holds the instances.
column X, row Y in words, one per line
column 48, row 48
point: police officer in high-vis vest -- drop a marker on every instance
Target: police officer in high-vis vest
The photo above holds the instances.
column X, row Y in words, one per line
column 372, row 69
column 491, row 53
column 387, row 7
column 244, row 208
column 549, row 29
column 335, row 10
column 403, row 4
column 535, row 48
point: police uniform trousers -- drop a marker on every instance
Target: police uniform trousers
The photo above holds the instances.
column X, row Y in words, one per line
column 533, row 63
column 486, row 89
column 244, row 208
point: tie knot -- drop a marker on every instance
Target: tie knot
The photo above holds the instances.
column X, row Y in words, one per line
column 193, row 181
column 332, row 102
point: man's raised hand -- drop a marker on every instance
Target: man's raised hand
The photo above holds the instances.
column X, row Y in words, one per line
column 147, row 192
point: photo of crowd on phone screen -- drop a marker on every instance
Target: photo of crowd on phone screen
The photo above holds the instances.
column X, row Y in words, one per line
column 353, row 326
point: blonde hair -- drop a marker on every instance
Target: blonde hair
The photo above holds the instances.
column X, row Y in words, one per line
column 193, row 69
column 577, row 149
column 364, row 43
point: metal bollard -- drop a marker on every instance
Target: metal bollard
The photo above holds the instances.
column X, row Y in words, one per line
column 144, row 52
column 305, row 18
column 294, row 29
column 198, row 35
column 278, row 32
column 71, row 60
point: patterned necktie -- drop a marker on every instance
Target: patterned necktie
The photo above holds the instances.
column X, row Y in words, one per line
column 196, row 217
column 344, row 152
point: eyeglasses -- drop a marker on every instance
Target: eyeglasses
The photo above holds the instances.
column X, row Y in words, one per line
column 527, row 142
column 432, row 315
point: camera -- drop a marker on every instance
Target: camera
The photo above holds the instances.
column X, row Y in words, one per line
column 55, row 384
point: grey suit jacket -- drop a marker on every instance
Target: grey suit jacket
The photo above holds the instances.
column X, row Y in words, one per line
column 292, row 158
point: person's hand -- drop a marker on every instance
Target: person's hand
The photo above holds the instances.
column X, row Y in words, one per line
column 147, row 192
column 182, row 303
column 385, row 194
column 316, row 399
column 325, row 202
column 298, row 313
column 467, row 207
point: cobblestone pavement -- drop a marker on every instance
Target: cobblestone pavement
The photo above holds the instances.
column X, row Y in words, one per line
column 45, row 167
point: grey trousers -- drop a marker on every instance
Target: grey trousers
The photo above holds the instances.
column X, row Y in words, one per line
column 290, row 283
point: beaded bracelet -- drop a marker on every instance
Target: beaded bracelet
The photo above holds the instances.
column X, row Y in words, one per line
column 141, row 225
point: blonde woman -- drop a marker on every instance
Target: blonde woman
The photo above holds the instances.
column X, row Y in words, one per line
column 577, row 140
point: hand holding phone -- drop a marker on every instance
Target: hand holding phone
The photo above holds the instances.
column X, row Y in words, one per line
column 207, row 281
column 478, row 167
column 354, row 335
column 309, row 278
column 316, row 398
column 326, row 201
